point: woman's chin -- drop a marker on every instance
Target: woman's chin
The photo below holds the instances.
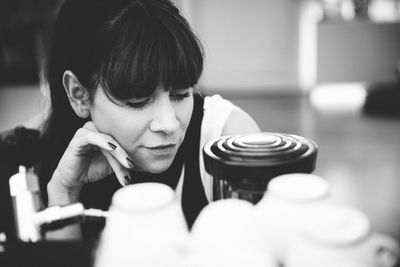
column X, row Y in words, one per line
column 158, row 166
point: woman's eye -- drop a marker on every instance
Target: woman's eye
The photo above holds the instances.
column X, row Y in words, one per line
column 180, row 96
column 137, row 104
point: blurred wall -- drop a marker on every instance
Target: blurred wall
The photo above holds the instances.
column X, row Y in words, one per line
column 249, row 45
column 357, row 51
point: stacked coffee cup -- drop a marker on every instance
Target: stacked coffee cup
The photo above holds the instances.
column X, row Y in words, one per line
column 295, row 224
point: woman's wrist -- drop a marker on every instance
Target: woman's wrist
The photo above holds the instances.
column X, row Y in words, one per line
column 59, row 194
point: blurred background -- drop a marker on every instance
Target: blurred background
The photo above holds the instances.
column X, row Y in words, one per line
column 324, row 69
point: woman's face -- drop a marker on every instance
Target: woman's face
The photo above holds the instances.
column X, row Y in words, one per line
column 150, row 129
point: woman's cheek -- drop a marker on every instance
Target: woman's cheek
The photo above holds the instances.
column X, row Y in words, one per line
column 118, row 124
column 185, row 112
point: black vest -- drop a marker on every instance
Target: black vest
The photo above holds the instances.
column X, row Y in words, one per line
column 99, row 194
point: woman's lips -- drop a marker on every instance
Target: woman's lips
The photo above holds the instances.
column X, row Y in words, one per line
column 162, row 149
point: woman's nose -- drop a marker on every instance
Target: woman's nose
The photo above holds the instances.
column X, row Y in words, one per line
column 164, row 119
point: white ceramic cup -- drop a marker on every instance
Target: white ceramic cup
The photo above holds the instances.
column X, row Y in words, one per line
column 145, row 227
column 226, row 233
column 286, row 202
column 339, row 235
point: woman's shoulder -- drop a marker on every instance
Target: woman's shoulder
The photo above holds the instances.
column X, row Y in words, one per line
column 216, row 102
column 222, row 117
column 216, row 113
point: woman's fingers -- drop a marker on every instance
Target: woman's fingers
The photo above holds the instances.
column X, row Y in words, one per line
column 120, row 171
column 89, row 135
column 116, row 156
column 84, row 137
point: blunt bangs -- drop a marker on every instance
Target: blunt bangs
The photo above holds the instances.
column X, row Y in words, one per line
column 149, row 46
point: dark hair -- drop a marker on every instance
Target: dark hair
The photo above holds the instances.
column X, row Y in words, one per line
column 127, row 47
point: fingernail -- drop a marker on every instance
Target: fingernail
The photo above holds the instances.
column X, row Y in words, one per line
column 112, row 145
column 127, row 179
column 130, row 162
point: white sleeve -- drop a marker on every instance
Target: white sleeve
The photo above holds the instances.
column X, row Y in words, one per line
column 216, row 113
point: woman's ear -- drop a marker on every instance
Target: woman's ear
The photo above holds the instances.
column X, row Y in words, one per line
column 78, row 96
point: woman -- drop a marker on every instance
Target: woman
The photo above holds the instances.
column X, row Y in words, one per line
column 121, row 75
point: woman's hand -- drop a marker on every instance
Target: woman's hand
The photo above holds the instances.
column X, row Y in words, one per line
column 89, row 157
